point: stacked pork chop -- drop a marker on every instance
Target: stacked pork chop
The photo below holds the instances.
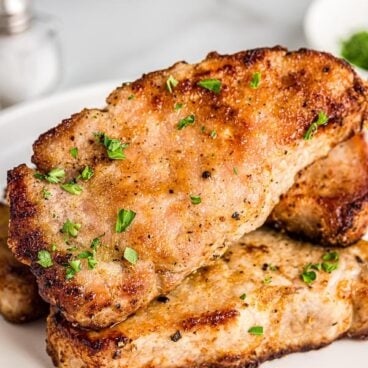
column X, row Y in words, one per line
column 133, row 221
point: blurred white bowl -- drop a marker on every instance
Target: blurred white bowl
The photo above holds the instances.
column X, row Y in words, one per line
column 328, row 22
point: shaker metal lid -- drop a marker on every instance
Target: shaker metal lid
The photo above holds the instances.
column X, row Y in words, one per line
column 15, row 16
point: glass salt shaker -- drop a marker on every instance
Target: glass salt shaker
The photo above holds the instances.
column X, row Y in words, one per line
column 30, row 60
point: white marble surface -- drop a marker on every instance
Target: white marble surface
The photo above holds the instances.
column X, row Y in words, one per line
column 117, row 39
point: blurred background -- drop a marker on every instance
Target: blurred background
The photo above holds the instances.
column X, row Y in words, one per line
column 77, row 42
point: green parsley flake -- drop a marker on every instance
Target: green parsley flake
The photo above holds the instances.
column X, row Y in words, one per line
column 185, row 122
column 235, row 170
column 46, row 194
column 308, row 275
column 44, row 259
column 256, row 330
column 329, row 267
column 213, row 85
column 195, row 199
column 74, row 152
column 70, row 228
column 91, row 261
column 243, row 296
column 55, row 176
column 72, row 188
column 73, row 267
column 130, row 255
column 131, row 97
column 171, row 83
column 331, row 256
column 355, row 49
column 53, row 247
column 255, row 81
column 321, row 120
column 213, row 134
column 267, row 280
column 178, row 106
column 87, row 173
column 124, row 219
column 114, row 147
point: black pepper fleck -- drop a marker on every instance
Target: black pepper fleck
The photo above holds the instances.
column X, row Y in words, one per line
column 163, row 299
column 206, row 174
column 236, row 216
column 176, row 336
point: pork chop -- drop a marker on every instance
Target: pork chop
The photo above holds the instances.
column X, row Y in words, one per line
column 178, row 166
column 329, row 201
column 268, row 296
column 19, row 299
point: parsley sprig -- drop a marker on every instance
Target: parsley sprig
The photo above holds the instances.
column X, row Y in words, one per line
column 322, row 119
column 114, row 147
column 213, row 85
column 54, row 176
column 124, row 219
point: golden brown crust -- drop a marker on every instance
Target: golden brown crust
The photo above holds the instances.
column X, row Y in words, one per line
column 329, row 201
column 19, row 299
column 295, row 316
column 260, row 136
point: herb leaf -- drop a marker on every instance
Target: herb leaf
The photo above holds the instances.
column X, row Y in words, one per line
column 124, row 219
column 70, row 228
column 213, row 85
column 185, row 122
column 171, row 83
column 55, row 176
column 131, row 255
column 44, row 259
column 255, row 81
column 130, row 97
column 235, row 170
column 195, row 199
column 331, row 256
column 321, row 120
column 178, row 106
column 243, row 296
column 74, row 152
column 46, row 194
column 256, row 330
column 73, row 268
column 72, row 188
column 87, row 173
column 213, row 134
column 329, row 266
column 308, row 275
column 114, row 147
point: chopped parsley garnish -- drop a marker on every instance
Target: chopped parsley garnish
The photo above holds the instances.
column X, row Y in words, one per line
column 185, row 122
column 72, row 188
column 235, row 170
column 53, row 247
column 70, row 228
column 267, row 280
column 74, row 266
column 243, row 296
column 96, row 242
column 195, row 199
column 213, row 85
column 44, row 259
column 255, row 81
column 213, row 134
column 329, row 267
column 46, row 194
column 124, row 219
column 321, row 120
column 91, row 261
column 114, row 147
column 55, row 176
column 171, row 83
column 178, row 106
column 74, row 152
column 256, row 330
column 87, row 173
column 130, row 255
column 355, row 49
column 308, row 275
column 331, row 256
column 131, row 97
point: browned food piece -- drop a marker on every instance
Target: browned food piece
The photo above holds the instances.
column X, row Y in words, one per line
column 237, row 151
column 19, row 299
column 210, row 319
column 329, row 201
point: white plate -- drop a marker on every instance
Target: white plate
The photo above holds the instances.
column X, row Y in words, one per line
column 328, row 22
column 24, row 346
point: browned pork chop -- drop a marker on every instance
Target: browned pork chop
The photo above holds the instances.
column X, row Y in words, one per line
column 212, row 146
column 19, row 299
column 329, row 201
column 250, row 306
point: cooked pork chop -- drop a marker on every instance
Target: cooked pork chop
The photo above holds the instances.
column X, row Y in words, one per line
column 212, row 146
column 251, row 305
column 329, row 201
column 19, row 299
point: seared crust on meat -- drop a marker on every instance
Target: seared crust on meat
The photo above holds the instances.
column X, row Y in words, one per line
column 259, row 131
column 19, row 299
column 294, row 316
column 328, row 202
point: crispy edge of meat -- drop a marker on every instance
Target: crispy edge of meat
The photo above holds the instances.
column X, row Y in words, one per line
column 19, row 298
column 71, row 347
column 334, row 213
